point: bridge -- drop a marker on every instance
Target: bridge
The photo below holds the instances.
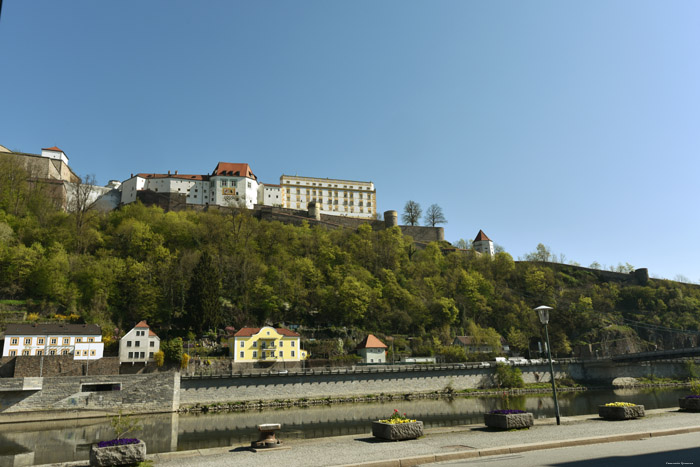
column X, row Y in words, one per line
column 691, row 352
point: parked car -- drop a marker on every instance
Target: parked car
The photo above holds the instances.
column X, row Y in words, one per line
column 517, row 361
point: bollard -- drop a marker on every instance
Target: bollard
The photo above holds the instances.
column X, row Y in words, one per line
column 267, row 437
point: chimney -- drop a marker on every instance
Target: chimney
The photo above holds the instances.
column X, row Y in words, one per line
column 169, row 172
column 132, row 176
column 176, row 172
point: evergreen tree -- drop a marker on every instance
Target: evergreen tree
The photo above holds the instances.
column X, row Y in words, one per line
column 203, row 308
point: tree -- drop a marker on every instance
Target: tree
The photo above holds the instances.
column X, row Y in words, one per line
column 434, row 216
column 411, row 213
column 80, row 203
column 542, row 254
column 203, row 305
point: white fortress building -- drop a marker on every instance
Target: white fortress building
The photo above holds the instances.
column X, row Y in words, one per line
column 235, row 185
column 335, row 197
column 230, row 184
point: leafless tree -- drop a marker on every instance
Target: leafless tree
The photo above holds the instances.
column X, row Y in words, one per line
column 411, row 213
column 434, row 216
column 80, row 204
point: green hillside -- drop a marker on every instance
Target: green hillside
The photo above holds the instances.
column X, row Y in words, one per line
column 191, row 271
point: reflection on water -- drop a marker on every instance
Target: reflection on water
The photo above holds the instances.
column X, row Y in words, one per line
column 63, row 441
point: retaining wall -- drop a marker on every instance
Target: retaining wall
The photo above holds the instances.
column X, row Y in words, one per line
column 157, row 392
column 346, row 383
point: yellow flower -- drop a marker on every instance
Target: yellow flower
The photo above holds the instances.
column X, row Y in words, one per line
column 620, row 404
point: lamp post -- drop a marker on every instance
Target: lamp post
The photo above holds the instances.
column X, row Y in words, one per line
column 543, row 313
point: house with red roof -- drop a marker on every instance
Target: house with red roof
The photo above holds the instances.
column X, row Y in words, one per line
column 483, row 244
column 266, row 345
column 372, row 350
column 139, row 345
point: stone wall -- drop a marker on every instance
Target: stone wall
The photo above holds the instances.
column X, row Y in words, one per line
column 340, row 384
column 158, row 392
column 63, row 365
column 419, row 233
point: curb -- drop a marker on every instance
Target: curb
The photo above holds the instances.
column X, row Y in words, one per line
column 505, row 450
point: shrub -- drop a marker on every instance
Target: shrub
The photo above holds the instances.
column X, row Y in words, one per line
column 159, row 357
column 123, row 424
column 185, row 360
column 509, row 376
column 695, row 386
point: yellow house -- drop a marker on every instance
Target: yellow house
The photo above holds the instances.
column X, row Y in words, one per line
column 267, row 344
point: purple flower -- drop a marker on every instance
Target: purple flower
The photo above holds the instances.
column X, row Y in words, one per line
column 117, row 442
column 694, row 396
column 507, row 411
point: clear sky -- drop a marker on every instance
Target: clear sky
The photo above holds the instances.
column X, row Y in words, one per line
column 573, row 124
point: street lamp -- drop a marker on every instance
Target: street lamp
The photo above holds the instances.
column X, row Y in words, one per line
column 543, row 313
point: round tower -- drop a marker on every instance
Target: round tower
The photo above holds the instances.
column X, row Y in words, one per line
column 314, row 211
column 391, row 219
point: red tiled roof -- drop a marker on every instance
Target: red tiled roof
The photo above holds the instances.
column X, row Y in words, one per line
column 481, row 236
column 234, row 169
column 247, row 332
column 52, row 149
column 181, row 176
column 143, row 324
column 270, row 184
column 371, row 342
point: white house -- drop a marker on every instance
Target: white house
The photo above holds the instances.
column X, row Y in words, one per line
column 372, row 350
column 334, row 197
column 138, row 345
column 483, row 244
column 83, row 341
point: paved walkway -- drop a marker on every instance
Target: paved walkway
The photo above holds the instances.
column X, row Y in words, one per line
column 441, row 444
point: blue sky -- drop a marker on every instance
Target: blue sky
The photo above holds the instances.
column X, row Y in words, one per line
column 573, row 124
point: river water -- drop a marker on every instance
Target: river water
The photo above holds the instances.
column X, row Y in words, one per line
column 63, row 441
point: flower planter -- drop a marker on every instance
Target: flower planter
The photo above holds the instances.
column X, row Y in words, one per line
column 620, row 413
column 691, row 404
column 397, row 431
column 118, row 455
column 508, row 421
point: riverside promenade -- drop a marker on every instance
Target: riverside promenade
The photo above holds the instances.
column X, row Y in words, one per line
column 442, row 444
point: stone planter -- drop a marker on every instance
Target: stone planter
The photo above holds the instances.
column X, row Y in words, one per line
column 621, row 413
column 118, row 455
column 508, row 421
column 397, row 431
column 691, row 404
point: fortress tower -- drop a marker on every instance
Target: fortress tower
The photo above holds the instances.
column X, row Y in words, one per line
column 483, row 244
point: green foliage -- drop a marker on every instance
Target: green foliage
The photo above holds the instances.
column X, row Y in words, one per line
column 453, row 354
column 172, row 350
column 509, row 376
column 695, row 387
column 199, row 271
